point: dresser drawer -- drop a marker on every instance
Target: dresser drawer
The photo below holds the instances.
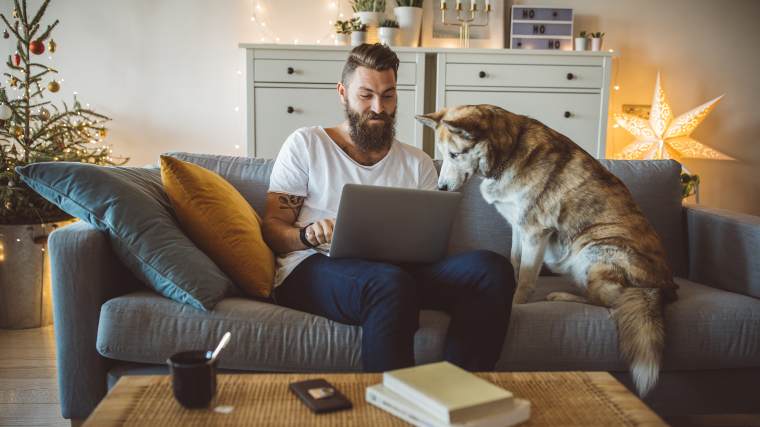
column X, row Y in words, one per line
column 582, row 125
column 523, row 75
column 280, row 111
column 306, row 71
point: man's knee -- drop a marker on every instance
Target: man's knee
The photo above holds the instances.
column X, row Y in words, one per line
column 497, row 272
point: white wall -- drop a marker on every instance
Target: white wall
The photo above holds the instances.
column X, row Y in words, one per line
column 166, row 71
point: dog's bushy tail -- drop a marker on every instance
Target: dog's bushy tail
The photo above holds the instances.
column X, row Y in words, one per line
column 638, row 313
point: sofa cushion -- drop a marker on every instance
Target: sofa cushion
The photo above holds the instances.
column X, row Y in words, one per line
column 221, row 223
column 146, row 328
column 131, row 206
column 707, row 328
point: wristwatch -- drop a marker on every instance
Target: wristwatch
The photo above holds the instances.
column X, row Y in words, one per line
column 302, row 236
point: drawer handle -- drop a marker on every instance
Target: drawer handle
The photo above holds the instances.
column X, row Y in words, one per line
column 570, row 76
column 291, row 110
column 291, row 70
column 482, row 74
column 568, row 114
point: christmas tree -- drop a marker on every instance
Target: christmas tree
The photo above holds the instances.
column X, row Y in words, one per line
column 34, row 130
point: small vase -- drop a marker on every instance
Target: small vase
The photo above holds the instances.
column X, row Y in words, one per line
column 342, row 39
column 580, row 43
column 370, row 19
column 409, row 21
column 388, row 36
column 596, row 44
column 358, row 37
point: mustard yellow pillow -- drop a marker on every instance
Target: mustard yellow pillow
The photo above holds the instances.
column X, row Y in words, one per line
column 221, row 223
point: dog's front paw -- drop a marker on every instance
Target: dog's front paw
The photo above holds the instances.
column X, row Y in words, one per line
column 520, row 297
column 556, row 296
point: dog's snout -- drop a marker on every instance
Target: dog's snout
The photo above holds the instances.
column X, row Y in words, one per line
column 443, row 187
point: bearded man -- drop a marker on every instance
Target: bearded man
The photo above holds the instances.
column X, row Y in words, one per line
column 474, row 288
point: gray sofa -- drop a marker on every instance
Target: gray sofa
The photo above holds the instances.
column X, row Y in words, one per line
column 107, row 324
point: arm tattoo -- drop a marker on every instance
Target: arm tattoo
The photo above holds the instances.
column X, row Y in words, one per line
column 292, row 203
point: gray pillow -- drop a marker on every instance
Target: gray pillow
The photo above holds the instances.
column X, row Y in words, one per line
column 130, row 205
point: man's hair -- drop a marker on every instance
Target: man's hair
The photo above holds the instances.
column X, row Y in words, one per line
column 373, row 56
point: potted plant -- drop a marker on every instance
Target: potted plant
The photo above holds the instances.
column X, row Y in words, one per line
column 342, row 33
column 32, row 130
column 580, row 41
column 358, row 32
column 596, row 41
column 408, row 14
column 388, row 32
column 370, row 12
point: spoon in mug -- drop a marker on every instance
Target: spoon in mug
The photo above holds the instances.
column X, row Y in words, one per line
column 219, row 347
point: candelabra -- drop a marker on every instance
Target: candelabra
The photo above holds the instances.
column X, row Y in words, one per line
column 467, row 17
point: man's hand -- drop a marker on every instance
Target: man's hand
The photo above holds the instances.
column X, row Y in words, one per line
column 320, row 232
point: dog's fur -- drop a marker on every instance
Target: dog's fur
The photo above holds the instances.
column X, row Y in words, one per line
column 570, row 212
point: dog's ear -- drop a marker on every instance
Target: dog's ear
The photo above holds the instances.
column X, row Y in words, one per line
column 466, row 127
column 431, row 119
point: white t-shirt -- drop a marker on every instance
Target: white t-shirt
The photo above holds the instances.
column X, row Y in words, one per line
column 311, row 165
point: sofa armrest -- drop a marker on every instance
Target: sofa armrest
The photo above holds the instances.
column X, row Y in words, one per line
column 723, row 249
column 85, row 273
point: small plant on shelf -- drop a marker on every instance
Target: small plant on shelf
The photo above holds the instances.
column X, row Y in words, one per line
column 342, row 27
column 356, row 25
column 409, row 3
column 368, row 5
column 389, row 23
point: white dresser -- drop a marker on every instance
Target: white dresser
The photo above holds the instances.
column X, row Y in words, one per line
column 293, row 86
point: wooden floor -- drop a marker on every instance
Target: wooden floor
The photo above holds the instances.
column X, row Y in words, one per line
column 29, row 391
column 28, row 387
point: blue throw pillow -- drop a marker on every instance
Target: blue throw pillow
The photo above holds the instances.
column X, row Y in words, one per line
column 130, row 205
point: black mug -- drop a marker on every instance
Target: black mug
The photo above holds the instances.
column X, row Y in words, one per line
column 193, row 378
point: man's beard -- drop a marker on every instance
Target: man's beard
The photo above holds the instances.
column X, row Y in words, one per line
column 371, row 137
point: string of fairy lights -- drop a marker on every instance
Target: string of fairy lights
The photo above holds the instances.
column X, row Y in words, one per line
column 261, row 18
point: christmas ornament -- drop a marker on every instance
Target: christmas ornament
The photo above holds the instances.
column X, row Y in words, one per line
column 37, row 47
column 8, row 205
column 44, row 114
column 13, row 82
column 52, row 46
column 54, row 86
column 17, row 59
column 15, row 13
column 664, row 137
column 5, row 112
column 18, row 131
column 6, row 35
column 103, row 133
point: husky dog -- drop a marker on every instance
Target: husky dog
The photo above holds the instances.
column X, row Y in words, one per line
column 570, row 212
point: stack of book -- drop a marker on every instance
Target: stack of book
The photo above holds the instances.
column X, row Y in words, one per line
column 444, row 395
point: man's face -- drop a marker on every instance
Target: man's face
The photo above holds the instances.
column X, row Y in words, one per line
column 370, row 102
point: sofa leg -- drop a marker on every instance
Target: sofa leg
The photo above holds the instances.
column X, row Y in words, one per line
column 76, row 422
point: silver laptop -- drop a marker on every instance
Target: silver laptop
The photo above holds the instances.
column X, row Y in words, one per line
column 393, row 224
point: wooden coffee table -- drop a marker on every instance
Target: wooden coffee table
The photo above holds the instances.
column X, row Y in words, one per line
column 557, row 398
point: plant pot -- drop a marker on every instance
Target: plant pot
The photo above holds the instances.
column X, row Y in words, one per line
column 410, row 22
column 358, row 37
column 596, row 44
column 25, row 292
column 343, row 39
column 388, row 35
column 580, row 43
column 370, row 19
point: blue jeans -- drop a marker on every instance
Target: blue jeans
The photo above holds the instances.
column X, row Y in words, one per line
column 474, row 288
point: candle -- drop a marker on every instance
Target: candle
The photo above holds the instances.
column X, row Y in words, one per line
column 459, row 4
column 443, row 4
